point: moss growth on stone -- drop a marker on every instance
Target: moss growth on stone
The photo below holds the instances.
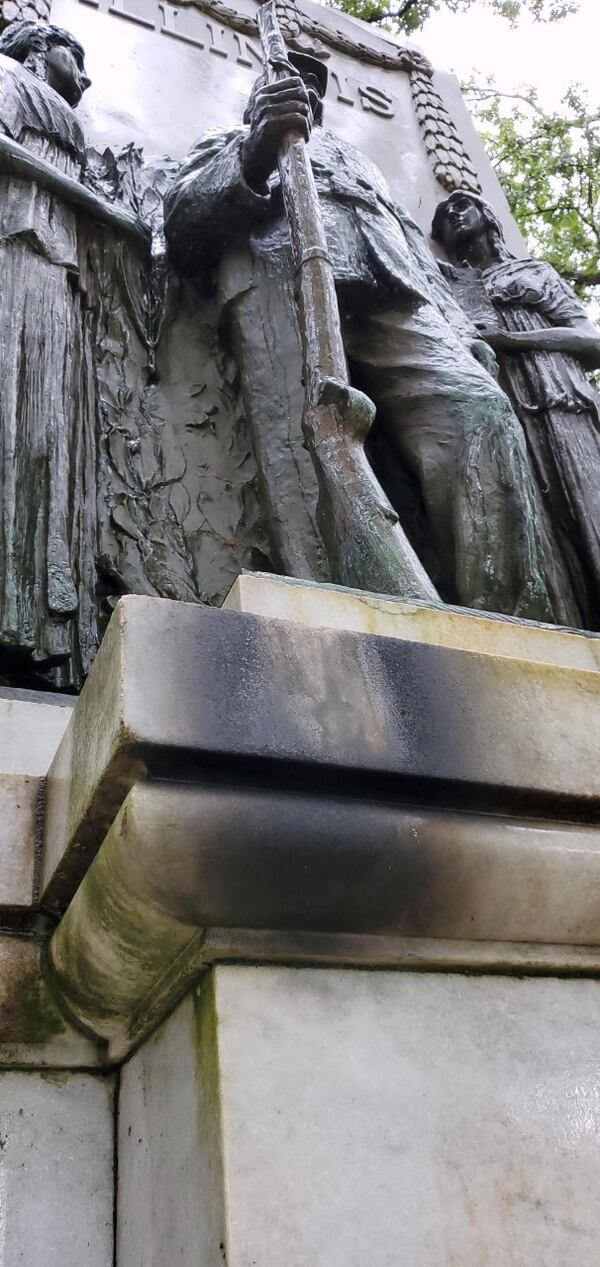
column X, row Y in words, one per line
column 35, row 1016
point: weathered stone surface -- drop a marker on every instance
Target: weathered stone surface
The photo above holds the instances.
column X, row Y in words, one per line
column 258, row 700
column 366, row 1117
column 168, row 1110
column 332, row 607
column 180, row 860
column 304, row 751
column 359, row 950
column 56, row 1197
column 31, row 728
column 33, row 1030
column 21, row 812
column 30, row 732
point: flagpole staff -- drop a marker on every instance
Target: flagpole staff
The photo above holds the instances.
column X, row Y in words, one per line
column 366, row 547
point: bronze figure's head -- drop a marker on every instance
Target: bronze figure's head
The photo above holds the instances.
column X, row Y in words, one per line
column 461, row 220
column 51, row 53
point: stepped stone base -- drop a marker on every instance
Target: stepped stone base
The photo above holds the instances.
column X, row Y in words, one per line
column 34, row 1031
column 245, row 810
column 234, row 783
column 332, row 607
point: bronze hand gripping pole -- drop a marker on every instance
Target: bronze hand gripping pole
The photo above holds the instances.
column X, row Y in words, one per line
column 365, row 544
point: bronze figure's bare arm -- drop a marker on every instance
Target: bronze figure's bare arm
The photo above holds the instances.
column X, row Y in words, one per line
column 581, row 339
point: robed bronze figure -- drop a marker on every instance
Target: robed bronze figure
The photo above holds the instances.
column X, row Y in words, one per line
column 546, row 346
column 410, row 345
column 47, row 443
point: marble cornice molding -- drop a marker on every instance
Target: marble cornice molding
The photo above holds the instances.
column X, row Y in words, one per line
column 291, row 794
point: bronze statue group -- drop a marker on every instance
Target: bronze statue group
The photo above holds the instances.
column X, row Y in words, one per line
column 486, row 438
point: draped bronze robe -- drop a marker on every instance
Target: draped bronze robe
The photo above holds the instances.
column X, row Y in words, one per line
column 48, row 611
column 559, row 410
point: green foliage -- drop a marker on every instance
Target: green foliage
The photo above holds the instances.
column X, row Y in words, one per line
column 410, row 15
column 549, row 166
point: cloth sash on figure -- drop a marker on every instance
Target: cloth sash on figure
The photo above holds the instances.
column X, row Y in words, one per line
column 33, row 114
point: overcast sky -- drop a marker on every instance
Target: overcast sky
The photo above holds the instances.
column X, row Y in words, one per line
column 549, row 56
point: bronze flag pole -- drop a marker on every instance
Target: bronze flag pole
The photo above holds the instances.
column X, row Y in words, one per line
column 365, row 544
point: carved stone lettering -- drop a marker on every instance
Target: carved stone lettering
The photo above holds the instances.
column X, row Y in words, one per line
column 248, row 54
column 170, row 26
column 118, row 10
column 224, row 42
column 343, row 93
column 216, row 35
column 376, row 100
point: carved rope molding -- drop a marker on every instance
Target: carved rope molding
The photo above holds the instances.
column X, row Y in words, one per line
column 16, row 10
column 451, row 163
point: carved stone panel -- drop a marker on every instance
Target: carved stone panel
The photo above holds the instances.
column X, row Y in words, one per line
column 183, row 68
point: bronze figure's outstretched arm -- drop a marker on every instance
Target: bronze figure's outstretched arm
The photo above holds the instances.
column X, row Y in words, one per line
column 579, row 339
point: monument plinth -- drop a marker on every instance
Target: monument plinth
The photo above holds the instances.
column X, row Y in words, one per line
column 317, row 794
column 289, row 804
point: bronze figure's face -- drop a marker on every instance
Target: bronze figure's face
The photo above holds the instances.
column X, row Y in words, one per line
column 65, row 72
column 463, row 221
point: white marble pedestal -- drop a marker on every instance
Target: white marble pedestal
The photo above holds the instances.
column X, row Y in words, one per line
column 312, row 938
column 334, row 1118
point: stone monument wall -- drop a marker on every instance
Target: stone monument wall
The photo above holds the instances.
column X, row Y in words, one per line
column 163, row 74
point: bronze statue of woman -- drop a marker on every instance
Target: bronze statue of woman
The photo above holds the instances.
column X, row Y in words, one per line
column 545, row 343
column 47, row 446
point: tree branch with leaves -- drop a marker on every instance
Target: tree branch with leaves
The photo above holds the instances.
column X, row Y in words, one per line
column 548, row 163
column 408, row 16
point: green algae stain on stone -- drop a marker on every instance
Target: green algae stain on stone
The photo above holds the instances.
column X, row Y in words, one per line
column 31, row 1013
column 206, row 1038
